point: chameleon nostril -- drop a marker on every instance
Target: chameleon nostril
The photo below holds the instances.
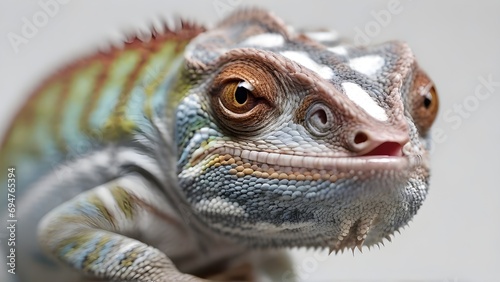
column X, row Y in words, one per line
column 360, row 137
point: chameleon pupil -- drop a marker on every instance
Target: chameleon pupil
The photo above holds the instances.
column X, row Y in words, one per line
column 241, row 95
column 427, row 102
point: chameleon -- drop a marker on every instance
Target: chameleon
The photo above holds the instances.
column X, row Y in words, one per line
column 192, row 154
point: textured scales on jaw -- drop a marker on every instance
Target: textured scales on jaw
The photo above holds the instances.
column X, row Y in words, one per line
column 275, row 130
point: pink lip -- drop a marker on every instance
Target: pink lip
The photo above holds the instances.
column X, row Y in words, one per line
column 366, row 163
column 392, row 149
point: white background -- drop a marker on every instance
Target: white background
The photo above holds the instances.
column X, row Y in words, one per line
column 456, row 235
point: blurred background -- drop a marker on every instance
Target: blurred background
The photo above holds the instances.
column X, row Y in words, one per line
column 455, row 236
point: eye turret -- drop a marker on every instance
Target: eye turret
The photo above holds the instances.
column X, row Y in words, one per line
column 243, row 95
column 424, row 102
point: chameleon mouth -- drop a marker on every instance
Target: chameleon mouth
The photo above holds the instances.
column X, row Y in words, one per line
column 394, row 160
column 387, row 149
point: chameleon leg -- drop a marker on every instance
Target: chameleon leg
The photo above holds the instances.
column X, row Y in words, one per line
column 87, row 233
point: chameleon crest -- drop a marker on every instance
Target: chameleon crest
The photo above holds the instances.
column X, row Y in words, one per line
column 201, row 147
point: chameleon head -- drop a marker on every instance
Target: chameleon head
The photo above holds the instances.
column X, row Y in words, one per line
column 284, row 140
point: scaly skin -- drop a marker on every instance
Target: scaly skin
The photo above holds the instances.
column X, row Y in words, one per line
column 250, row 137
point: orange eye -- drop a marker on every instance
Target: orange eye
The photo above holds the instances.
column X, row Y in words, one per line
column 237, row 97
column 427, row 106
column 424, row 102
column 430, row 99
column 243, row 96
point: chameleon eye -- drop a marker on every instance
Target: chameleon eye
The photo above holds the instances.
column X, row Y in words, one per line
column 319, row 119
column 425, row 102
column 242, row 96
column 430, row 99
column 237, row 97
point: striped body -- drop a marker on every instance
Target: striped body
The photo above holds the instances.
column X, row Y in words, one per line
column 101, row 99
column 84, row 121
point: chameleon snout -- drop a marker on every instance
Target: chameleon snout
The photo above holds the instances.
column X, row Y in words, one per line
column 375, row 143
